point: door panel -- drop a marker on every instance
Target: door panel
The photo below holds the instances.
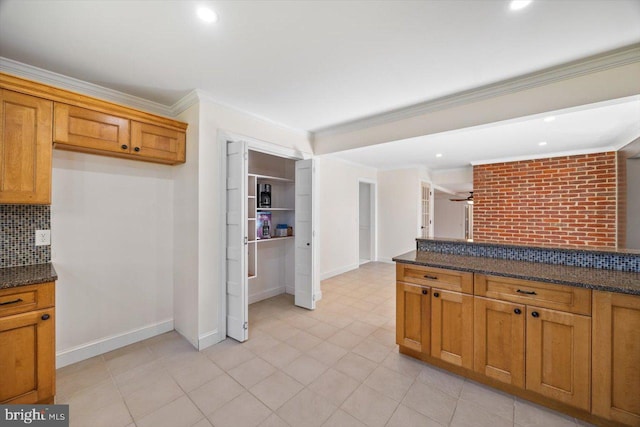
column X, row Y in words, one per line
column 25, row 148
column 157, row 142
column 499, row 340
column 558, row 362
column 452, row 327
column 305, row 252
column 90, row 129
column 236, row 281
column 413, row 317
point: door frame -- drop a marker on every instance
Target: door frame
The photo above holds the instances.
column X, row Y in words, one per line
column 253, row 145
column 373, row 220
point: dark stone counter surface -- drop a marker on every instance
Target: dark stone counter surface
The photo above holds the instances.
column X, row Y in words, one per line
column 11, row 277
column 591, row 278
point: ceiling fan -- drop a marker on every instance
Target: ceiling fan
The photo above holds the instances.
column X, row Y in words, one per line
column 468, row 199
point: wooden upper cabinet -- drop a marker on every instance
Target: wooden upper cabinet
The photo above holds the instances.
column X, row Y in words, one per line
column 157, row 142
column 499, row 347
column 25, row 149
column 616, row 357
column 93, row 130
column 413, row 317
column 452, row 327
column 558, row 359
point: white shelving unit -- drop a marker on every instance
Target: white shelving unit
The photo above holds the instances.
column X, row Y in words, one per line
column 270, row 261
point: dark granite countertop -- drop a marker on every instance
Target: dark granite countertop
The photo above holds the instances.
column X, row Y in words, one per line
column 591, row 278
column 11, row 277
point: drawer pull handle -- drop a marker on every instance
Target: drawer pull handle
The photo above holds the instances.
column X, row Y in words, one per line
column 424, row 292
column 426, row 276
column 520, row 291
column 435, row 294
column 45, row 317
column 535, row 314
column 15, row 301
column 517, row 311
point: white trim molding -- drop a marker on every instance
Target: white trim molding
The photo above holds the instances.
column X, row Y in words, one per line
column 113, row 342
column 209, row 339
column 545, row 155
column 30, row 72
column 328, row 274
column 592, row 64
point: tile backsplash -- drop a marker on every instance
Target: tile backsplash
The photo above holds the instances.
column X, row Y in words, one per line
column 18, row 224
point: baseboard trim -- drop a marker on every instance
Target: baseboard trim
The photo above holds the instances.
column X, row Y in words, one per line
column 328, row 274
column 209, row 339
column 385, row 260
column 266, row 294
column 113, row 342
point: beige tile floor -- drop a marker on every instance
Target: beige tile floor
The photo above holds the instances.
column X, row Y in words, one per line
column 335, row 366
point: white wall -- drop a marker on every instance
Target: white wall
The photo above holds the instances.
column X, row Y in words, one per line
column 112, row 240
column 338, row 189
column 633, row 203
column 449, row 218
column 198, row 205
column 398, row 211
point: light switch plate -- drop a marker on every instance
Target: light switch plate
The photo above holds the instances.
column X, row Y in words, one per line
column 43, row 237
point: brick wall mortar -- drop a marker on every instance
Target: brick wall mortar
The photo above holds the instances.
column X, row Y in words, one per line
column 560, row 201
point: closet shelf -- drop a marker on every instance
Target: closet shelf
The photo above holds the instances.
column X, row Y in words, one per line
column 274, row 209
column 272, row 178
column 272, row 239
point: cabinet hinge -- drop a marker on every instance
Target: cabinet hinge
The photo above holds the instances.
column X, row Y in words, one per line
column 245, row 326
column 246, row 240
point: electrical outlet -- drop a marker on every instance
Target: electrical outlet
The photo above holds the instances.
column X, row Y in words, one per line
column 43, row 237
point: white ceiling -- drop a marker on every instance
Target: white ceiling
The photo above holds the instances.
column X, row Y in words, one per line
column 308, row 64
column 593, row 128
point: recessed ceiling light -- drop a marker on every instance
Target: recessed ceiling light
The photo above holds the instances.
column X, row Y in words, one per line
column 519, row 4
column 542, row 143
column 549, row 119
column 439, row 155
column 207, row 15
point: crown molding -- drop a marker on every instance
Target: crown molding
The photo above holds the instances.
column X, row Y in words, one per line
column 30, row 72
column 545, row 155
column 589, row 65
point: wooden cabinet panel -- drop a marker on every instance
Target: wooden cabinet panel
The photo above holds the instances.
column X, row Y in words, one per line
column 457, row 281
column 547, row 295
column 27, row 357
column 452, row 327
column 81, row 127
column 499, row 346
column 25, row 149
column 616, row 357
column 413, row 317
column 558, row 359
column 156, row 142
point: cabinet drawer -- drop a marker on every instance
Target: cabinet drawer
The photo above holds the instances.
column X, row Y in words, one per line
column 546, row 295
column 450, row 280
column 26, row 298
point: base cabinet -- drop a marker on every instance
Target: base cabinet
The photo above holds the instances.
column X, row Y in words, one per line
column 452, row 327
column 558, row 356
column 499, row 332
column 616, row 357
column 27, row 345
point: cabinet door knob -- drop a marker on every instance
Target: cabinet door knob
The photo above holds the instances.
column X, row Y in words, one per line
column 517, row 311
column 535, row 314
column 136, row 149
column 424, row 292
column 45, row 317
column 436, row 294
column 308, row 244
column 124, row 146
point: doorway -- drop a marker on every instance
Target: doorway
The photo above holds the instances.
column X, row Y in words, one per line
column 366, row 221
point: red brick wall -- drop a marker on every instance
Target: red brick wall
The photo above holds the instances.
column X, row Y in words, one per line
column 561, row 201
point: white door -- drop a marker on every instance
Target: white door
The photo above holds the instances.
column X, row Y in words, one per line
column 425, row 222
column 305, row 267
column 237, row 309
column 364, row 208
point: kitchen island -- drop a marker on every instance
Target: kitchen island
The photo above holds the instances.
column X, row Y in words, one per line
column 550, row 330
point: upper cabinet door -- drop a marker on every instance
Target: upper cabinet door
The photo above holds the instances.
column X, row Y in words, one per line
column 156, row 142
column 91, row 130
column 25, row 149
